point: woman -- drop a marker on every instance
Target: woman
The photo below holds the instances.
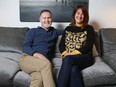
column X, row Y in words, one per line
column 76, row 49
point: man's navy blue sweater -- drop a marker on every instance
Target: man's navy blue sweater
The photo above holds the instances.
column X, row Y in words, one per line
column 40, row 40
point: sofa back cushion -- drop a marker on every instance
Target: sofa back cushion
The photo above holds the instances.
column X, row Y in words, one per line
column 57, row 52
column 108, row 46
column 11, row 39
column 97, row 44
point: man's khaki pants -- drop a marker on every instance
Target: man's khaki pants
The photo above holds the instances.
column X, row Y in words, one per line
column 39, row 69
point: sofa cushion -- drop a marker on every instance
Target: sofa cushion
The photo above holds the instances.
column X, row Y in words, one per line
column 56, row 67
column 22, row 79
column 8, row 68
column 11, row 39
column 111, row 60
column 10, row 56
column 57, row 62
column 99, row 74
column 108, row 45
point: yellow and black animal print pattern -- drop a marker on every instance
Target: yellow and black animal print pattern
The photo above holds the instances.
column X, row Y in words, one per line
column 75, row 40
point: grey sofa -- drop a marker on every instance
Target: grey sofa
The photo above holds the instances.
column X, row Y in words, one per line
column 101, row 74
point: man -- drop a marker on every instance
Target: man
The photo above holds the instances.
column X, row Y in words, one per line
column 38, row 48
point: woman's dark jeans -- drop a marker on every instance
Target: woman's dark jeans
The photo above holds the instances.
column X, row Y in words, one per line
column 70, row 75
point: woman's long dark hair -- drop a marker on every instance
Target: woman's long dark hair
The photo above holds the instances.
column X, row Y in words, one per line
column 85, row 12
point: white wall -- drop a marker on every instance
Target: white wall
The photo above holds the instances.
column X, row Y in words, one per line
column 102, row 14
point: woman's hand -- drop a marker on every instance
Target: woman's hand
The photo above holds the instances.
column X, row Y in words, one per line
column 69, row 54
